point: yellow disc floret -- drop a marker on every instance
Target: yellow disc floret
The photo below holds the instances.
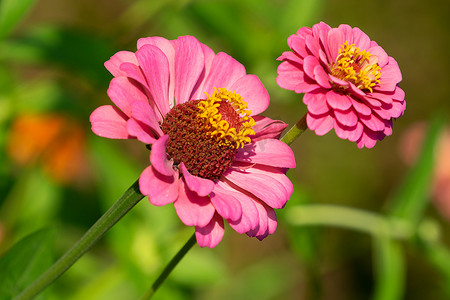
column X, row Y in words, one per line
column 227, row 117
column 357, row 66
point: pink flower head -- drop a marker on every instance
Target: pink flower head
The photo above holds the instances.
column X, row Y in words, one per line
column 350, row 83
column 211, row 154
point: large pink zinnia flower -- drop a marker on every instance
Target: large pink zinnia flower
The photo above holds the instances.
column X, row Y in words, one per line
column 211, row 155
column 350, row 83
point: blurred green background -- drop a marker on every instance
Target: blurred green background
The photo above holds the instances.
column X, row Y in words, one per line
column 56, row 174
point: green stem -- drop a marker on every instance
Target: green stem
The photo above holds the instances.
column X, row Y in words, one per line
column 295, row 131
column 128, row 200
column 350, row 218
column 170, row 266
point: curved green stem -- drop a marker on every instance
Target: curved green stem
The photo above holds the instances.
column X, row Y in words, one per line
column 350, row 218
column 170, row 266
column 126, row 202
column 295, row 131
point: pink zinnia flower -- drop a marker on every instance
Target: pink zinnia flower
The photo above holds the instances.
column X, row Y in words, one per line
column 350, row 83
column 211, row 155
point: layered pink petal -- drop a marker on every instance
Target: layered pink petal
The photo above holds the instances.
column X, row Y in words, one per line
column 224, row 71
column 262, row 229
column 267, row 128
column 141, row 131
column 160, row 189
column 142, row 112
column 155, row 66
column 390, row 76
column 169, row 51
column 316, row 102
column 262, row 186
column 192, row 209
column 321, row 124
column 108, row 121
column 269, row 152
column 189, row 65
column 113, row 64
column 249, row 218
column 226, row 203
column 338, row 101
column 253, row 92
column 211, row 234
column 203, row 187
column 158, row 157
column 123, row 92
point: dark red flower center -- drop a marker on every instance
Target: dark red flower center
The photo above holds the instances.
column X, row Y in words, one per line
column 205, row 134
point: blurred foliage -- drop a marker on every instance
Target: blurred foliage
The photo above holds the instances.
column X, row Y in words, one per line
column 51, row 62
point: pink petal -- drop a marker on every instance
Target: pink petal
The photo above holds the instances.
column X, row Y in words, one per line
column 338, row 101
column 253, row 92
column 108, row 121
column 155, row 66
column 199, row 90
column 360, row 107
column 335, row 40
column 224, row 72
column 347, row 118
column 123, row 92
column 158, row 157
column 316, row 102
column 211, row 234
column 189, row 65
column 380, row 54
column 276, row 174
column 266, row 128
column 309, row 63
column 298, row 44
column 262, row 229
column 160, row 189
column 321, row 124
column 134, row 72
column 291, row 57
column 203, row 187
column 262, row 186
column 269, row 152
column 113, row 64
column 372, row 122
column 399, row 94
column 312, row 44
column 271, row 220
column 289, row 75
column 192, row 209
column 351, row 133
column 249, row 219
column 390, row 76
column 387, row 99
column 169, row 51
column 368, row 139
column 398, row 108
column 142, row 112
column 141, row 131
column 359, row 38
column 321, row 77
column 226, row 204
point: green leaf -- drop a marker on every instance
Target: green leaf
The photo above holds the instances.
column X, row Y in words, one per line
column 412, row 197
column 389, row 267
column 11, row 11
column 24, row 262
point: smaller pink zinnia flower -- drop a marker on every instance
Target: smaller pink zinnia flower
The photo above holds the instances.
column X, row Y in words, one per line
column 212, row 155
column 350, row 83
